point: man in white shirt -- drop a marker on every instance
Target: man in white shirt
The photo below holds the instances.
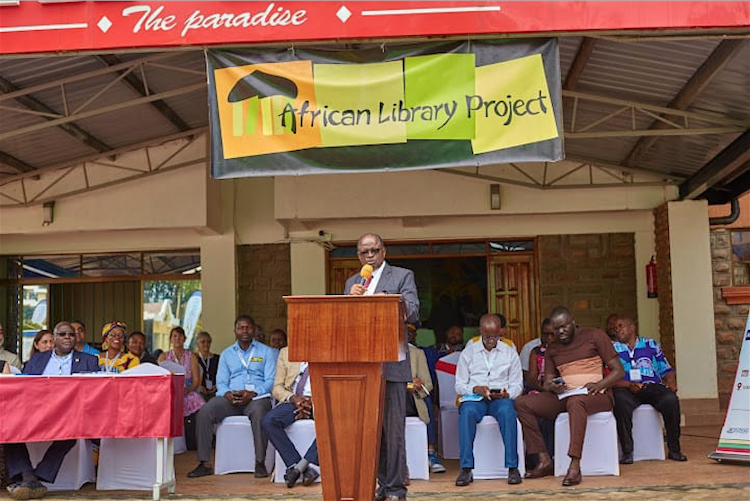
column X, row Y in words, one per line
column 291, row 388
column 492, row 372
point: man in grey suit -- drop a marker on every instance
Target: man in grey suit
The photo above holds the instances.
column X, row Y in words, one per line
column 387, row 279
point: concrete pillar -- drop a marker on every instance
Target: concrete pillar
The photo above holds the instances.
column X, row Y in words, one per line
column 648, row 308
column 308, row 265
column 692, row 294
column 219, row 288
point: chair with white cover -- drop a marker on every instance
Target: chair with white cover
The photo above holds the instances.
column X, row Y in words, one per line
column 489, row 450
column 600, row 451
column 235, row 450
column 180, row 444
column 77, row 467
column 302, row 434
column 648, row 438
column 416, row 449
column 129, row 464
column 445, row 368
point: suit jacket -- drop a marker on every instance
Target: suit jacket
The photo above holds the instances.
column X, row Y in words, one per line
column 419, row 369
column 82, row 362
column 286, row 373
column 395, row 280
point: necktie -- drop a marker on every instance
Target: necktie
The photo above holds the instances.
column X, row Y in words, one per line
column 367, row 282
column 299, row 390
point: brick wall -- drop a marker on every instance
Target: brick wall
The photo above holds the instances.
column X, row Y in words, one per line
column 729, row 319
column 664, row 281
column 593, row 275
column 264, row 276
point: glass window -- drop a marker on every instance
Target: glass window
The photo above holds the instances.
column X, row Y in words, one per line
column 741, row 257
column 408, row 250
column 168, row 303
column 52, row 266
column 111, row 265
column 34, row 315
column 162, row 263
column 459, row 248
column 517, row 246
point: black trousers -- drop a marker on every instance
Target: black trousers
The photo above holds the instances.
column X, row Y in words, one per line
column 17, row 460
column 662, row 398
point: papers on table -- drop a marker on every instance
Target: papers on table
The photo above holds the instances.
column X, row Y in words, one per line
column 574, row 391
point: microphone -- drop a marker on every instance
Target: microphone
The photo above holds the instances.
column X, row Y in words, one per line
column 364, row 274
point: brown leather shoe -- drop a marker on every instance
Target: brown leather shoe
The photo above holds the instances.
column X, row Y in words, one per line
column 573, row 477
column 541, row 470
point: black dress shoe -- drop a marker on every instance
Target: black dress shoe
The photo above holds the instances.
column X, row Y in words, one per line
column 677, row 456
column 200, row 471
column 260, row 470
column 627, row 458
column 514, row 476
column 573, row 477
column 309, row 477
column 379, row 496
column 540, row 471
column 291, row 476
column 465, row 477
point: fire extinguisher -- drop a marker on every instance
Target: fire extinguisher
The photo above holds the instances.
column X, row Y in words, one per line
column 651, row 282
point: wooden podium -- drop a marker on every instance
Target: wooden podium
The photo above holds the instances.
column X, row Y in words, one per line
column 346, row 339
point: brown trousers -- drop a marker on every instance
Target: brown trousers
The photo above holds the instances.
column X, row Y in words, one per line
column 547, row 405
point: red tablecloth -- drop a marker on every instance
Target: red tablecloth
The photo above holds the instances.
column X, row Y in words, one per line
column 40, row 408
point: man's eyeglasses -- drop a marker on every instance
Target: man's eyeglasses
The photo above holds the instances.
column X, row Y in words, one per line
column 374, row 251
column 65, row 334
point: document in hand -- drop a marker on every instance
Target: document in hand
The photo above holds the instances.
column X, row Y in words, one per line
column 574, row 391
column 470, row 397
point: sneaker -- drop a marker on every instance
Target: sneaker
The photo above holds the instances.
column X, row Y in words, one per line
column 27, row 490
column 435, row 465
column 200, row 471
column 465, row 477
column 260, row 470
column 38, row 489
column 310, row 476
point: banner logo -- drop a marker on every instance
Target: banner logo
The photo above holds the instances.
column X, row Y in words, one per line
column 287, row 106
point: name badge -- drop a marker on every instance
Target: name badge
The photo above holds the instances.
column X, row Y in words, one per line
column 635, row 375
column 209, row 384
column 256, row 359
column 249, row 387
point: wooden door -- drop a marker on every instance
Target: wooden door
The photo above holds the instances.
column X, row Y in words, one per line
column 512, row 291
column 339, row 270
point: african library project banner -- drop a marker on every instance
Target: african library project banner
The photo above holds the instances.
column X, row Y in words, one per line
column 384, row 107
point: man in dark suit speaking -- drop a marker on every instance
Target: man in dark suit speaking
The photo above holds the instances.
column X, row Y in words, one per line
column 63, row 360
column 387, row 279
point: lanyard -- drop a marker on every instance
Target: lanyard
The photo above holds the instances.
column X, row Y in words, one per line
column 107, row 367
column 245, row 363
column 203, row 362
column 487, row 362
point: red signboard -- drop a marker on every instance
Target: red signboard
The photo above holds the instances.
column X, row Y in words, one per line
column 50, row 26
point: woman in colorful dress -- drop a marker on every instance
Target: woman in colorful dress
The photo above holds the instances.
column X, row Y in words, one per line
column 192, row 401
column 112, row 359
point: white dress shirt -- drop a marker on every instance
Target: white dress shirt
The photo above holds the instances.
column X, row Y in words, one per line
column 498, row 369
column 376, row 274
column 59, row 366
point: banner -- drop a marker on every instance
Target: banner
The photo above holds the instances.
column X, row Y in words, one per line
column 734, row 441
column 424, row 106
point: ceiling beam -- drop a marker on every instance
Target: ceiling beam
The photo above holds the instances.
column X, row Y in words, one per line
column 692, row 88
column 717, row 168
column 579, row 63
column 73, row 130
column 15, row 163
column 138, row 86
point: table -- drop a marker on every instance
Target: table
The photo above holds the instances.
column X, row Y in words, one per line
column 42, row 408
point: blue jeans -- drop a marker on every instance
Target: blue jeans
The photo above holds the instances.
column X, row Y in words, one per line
column 274, row 423
column 471, row 413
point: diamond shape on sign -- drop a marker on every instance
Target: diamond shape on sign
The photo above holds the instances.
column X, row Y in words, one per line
column 343, row 14
column 104, row 24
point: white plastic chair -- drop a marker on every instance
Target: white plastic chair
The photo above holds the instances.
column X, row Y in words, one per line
column 302, row 434
column 416, row 449
column 77, row 467
column 600, row 455
column 489, row 450
column 235, row 447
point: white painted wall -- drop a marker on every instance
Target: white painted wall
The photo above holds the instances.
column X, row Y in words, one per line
column 692, row 294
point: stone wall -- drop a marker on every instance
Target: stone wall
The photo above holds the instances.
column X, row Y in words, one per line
column 664, row 282
column 729, row 319
column 593, row 275
column 264, row 276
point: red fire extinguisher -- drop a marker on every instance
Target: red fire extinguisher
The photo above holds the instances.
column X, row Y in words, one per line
column 651, row 283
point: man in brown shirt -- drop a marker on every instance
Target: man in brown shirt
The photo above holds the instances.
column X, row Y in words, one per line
column 574, row 360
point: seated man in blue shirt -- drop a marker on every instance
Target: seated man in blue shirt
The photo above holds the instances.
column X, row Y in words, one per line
column 243, row 386
column 649, row 379
column 63, row 360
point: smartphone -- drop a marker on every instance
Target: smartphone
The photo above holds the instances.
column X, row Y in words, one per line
column 558, row 380
column 237, row 393
column 496, row 390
